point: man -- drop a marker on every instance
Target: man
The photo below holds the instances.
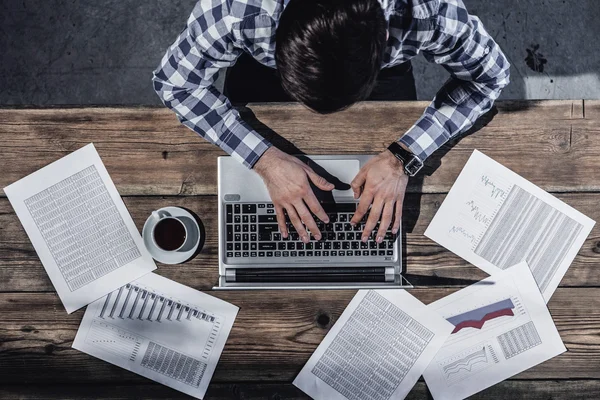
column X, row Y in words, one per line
column 328, row 55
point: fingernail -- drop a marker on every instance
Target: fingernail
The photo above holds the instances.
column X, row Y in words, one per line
column 379, row 239
column 352, row 223
column 364, row 239
column 326, row 220
column 395, row 230
column 284, row 234
column 305, row 238
column 318, row 237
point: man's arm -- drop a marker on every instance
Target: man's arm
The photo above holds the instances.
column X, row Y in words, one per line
column 185, row 82
column 479, row 71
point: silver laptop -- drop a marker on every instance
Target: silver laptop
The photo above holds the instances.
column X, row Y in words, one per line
column 253, row 254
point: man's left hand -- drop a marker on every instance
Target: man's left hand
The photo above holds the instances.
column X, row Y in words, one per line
column 381, row 182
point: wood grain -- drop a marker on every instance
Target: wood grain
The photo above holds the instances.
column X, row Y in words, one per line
column 147, row 152
column 511, row 389
column 273, row 336
column 428, row 263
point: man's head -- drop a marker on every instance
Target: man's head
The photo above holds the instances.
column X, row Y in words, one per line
column 329, row 52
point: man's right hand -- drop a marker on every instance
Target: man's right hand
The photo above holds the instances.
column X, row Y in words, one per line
column 286, row 179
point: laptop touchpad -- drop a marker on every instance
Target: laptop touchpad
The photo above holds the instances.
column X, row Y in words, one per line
column 338, row 172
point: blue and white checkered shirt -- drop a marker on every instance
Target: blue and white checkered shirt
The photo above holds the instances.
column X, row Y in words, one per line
column 218, row 31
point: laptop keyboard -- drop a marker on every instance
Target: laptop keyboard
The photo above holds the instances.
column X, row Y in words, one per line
column 251, row 231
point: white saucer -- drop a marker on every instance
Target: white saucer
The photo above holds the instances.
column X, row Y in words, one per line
column 171, row 257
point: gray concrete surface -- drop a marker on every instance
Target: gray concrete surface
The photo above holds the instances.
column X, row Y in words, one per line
column 103, row 52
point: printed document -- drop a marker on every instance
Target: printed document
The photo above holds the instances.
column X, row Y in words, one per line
column 494, row 219
column 159, row 329
column 501, row 327
column 377, row 350
column 80, row 228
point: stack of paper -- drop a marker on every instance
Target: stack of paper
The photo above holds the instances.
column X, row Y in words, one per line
column 93, row 252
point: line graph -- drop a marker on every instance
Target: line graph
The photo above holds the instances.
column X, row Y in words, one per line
column 464, row 364
column 478, row 317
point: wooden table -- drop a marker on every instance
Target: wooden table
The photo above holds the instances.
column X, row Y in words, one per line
column 156, row 162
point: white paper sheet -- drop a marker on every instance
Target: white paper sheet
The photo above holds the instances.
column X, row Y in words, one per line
column 80, row 228
column 494, row 219
column 159, row 329
column 501, row 327
column 377, row 350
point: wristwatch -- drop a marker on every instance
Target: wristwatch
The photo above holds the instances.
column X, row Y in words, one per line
column 412, row 164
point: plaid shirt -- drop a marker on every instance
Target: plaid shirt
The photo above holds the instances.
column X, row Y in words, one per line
column 218, row 31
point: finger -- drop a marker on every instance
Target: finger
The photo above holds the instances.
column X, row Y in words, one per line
column 295, row 220
column 358, row 182
column 386, row 220
column 319, row 181
column 308, row 220
column 374, row 215
column 398, row 213
column 281, row 220
column 362, row 208
column 314, row 205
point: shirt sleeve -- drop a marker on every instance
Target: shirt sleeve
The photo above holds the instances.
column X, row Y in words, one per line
column 479, row 71
column 185, row 81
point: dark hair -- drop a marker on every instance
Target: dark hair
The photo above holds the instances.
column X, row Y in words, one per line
column 329, row 52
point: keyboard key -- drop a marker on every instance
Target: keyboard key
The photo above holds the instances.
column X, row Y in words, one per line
column 253, row 219
column 343, row 218
column 318, row 245
column 365, row 253
column 229, row 233
column 381, row 252
column 341, row 236
column 347, row 227
column 270, row 206
column 253, row 237
column 261, row 205
column 326, row 253
column 346, row 245
column 372, row 244
column 277, row 254
column 236, row 208
column 245, row 246
column 309, row 246
column 249, row 208
column 294, row 236
column 229, row 246
column 229, row 254
column 350, row 236
column 293, row 253
column 238, row 246
column 245, row 228
column 280, row 246
column 237, row 228
column 229, row 213
column 267, row 218
column 269, row 254
column 309, row 254
column 261, row 253
column 390, row 252
column 382, row 245
column 330, row 236
column 332, row 217
column 334, row 253
column 245, row 219
column 237, row 219
column 390, row 245
column 373, row 252
column 364, row 245
column 271, row 211
column 268, row 228
column 357, row 253
column 286, row 253
column 317, row 254
column 238, row 237
column 339, row 227
column 252, row 254
column 267, row 246
column 341, row 253
column 252, row 246
column 327, row 245
column 355, row 245
column 238, row 254
column 337, row 245
column 277, row 236
column 245, row 254
column 301, row 254
column 264, row 236
column 291, row 246
column 245, row 237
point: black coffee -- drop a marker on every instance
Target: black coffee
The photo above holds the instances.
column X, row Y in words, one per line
column 169, row 234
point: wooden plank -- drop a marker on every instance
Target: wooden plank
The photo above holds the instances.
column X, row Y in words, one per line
column 591, row 109
column 430, row 264
column 147, row 152
column 273, row 336
column 511, row 389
